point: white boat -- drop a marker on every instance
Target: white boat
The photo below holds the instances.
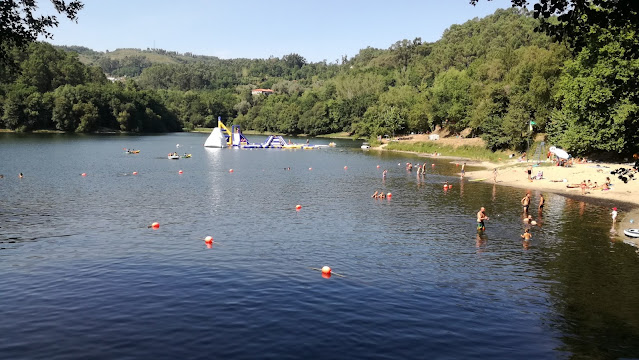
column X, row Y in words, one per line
column 174, row 156
column 365, row 146
column 634, row 233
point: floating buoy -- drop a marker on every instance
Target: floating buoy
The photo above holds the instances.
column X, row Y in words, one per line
column 389, row 195
column 326, row 270
column 445, row 187
column 345, row 167
column 378, row 166
column 326, row 275
column 84, row 174
column 433, row 165
column 135, row 173
column 230, row 170
column 155, row 225
column 208, row 239
column 209, row 245
column 298, row 207
column 180, row 172
column 309, row 169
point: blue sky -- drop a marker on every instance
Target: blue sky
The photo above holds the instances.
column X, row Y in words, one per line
column 317, row 30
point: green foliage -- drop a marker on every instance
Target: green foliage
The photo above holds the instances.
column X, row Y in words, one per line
column 431, row 147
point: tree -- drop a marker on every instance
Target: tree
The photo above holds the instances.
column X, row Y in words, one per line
column 19, row 25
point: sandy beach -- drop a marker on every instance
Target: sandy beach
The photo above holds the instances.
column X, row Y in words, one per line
column 623, row 196
column 556, row 179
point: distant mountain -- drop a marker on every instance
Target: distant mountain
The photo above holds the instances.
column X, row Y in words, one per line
column 130, row 62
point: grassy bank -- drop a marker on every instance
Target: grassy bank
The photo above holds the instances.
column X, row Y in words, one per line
column 464, row 151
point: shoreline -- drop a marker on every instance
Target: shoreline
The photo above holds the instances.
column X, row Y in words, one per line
column 624, row 196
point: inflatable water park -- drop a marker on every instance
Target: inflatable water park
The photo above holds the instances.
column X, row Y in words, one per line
column 222, row 137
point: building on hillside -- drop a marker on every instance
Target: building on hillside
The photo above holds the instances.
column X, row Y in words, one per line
column 261, row 91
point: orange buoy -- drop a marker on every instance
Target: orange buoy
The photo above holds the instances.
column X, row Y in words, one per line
column 345, row 167
column 389, row 195
column 326, row 275
column 135, row 173
column 180, row 172
column 209, row 245
column 230, row 170
column 310, row 169
column 433, row 165
column 155, row 225
column 445, row 187
column 378, row 166
column 84, row 174
column 208, row 239
column 298, row 207
column 326, row 270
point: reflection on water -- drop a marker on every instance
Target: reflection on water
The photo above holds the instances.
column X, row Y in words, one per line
column 81, row 274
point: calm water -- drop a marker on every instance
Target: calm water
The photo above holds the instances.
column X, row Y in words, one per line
column 82, row 277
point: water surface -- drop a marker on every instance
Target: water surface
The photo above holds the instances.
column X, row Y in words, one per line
column 82, row 276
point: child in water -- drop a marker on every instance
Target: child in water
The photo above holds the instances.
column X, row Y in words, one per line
column 526, row 235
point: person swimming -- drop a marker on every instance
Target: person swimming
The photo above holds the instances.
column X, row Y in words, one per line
column 526, row 235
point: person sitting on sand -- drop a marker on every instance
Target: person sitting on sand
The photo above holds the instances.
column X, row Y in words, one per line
column 589, row 184
column 605, row 186
column 526, row 235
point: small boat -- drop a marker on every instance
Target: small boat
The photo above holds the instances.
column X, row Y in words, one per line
column 186, row 156
column 174, row 156
column 132, row 151
column 332, row 144
column 365, row 146
column 633, row 233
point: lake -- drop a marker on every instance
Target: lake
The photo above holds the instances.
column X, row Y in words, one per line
column 82, row 276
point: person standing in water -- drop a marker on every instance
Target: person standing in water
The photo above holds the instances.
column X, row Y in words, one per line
column 614, row 215
column 495, row 175
column 463, row 170
column 481, row 216
column 542, row 202
column 525, row 201
column 526, row 235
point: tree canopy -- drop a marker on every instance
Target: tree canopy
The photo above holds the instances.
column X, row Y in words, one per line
column 19, row 25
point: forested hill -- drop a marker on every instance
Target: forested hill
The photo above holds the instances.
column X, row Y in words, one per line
column 495, row 76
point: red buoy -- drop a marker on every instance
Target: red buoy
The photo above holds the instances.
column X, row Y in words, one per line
column 326, row 270
column 84, row 174
column 230, row 170
column 135, row 173
column 208, row 239
column 155, row 225
column 180, row 172
column 345, row 167
column 298, row 207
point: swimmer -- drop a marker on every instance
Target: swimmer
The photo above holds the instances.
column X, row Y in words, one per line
column 20, row 175
column 481, row 216
column 384, row 174
column 526, row 235
column 382, row 195
column 528, row 220
column 375, row 194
